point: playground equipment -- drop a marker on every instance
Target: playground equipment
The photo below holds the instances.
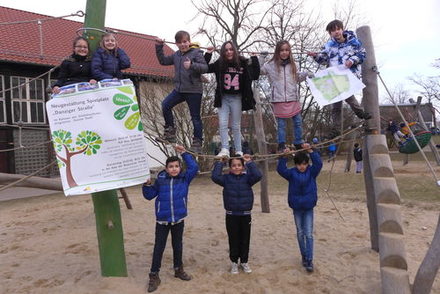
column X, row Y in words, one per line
column 422, row 136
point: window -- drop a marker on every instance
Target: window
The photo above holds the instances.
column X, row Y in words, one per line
column 2, row 100
column 28, row 100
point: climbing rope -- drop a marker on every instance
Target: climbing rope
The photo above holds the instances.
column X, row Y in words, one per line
column 406, row 124
column 79, row 13
column 30, row 80
column 268, row 156
column 28, row 176
column 25, row 147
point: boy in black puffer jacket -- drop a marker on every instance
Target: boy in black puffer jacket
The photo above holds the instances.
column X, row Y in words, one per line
column 238, row 199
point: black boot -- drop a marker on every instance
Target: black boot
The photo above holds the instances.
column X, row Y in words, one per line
column 181, row 274
column 196, row 145
column 333, row 133
column 154, row 282
column 170, row 134
column 363, row 115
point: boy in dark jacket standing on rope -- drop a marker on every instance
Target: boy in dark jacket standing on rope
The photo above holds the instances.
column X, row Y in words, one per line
column 171, row 192
column 189, row 65
column 238, row 199
column 302, row 197
column 344, row 48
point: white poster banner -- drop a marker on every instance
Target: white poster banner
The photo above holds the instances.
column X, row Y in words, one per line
column 97, row 136
column 334, row 84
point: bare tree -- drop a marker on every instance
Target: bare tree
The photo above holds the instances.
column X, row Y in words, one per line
column 399, row 95
column 152, row 93
column 429, row 86
column 235, row 20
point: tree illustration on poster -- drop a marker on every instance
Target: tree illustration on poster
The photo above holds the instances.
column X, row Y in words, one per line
column 87, row 143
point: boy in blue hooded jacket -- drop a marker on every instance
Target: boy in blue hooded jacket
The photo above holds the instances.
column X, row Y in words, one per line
column 302, row 197
column 171, row 192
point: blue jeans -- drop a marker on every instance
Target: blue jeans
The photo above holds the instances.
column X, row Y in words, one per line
column 297, row 129
column 194, row 101
column 161, row 240
column 231, row 105
column 304, row 232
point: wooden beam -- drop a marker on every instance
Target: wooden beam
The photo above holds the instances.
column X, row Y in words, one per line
column 32, row 182
column 262, row 149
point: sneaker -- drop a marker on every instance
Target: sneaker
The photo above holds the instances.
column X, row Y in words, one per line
column 309, row 266
column 304, row 261
column 169, row 134
column 154, row 282
column 224, row 152
column 239, row 154
column 246, row 267
column 181, row 274
column 234, row 268
column 196, row 145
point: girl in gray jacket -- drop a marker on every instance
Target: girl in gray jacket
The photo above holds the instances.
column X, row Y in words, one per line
column 284, row 78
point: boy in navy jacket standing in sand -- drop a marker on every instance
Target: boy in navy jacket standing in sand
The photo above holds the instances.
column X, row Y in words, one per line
column 238, row 199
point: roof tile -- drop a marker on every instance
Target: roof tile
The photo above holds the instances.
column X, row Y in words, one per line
column 21, row 43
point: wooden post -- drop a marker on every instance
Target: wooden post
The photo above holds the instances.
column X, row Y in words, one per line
column 349, row 157
column 383, row 198
column 262, row 148
column 124, row 196
column 370, row 102
column 422, row 122
column 106, row 203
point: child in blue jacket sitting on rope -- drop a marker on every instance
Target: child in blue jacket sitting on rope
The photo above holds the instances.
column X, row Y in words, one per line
column 171, row 192
column 302, row 197
column 108, row 60
column 238, row 199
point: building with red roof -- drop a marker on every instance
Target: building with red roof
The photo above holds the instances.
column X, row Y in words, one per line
column 30, row 45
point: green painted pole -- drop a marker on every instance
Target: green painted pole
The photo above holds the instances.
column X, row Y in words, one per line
column 106, row 204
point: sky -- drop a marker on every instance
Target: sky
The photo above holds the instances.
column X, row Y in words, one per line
column 406, row 34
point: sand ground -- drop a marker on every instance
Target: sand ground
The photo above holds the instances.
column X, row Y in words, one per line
column 48, row 244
